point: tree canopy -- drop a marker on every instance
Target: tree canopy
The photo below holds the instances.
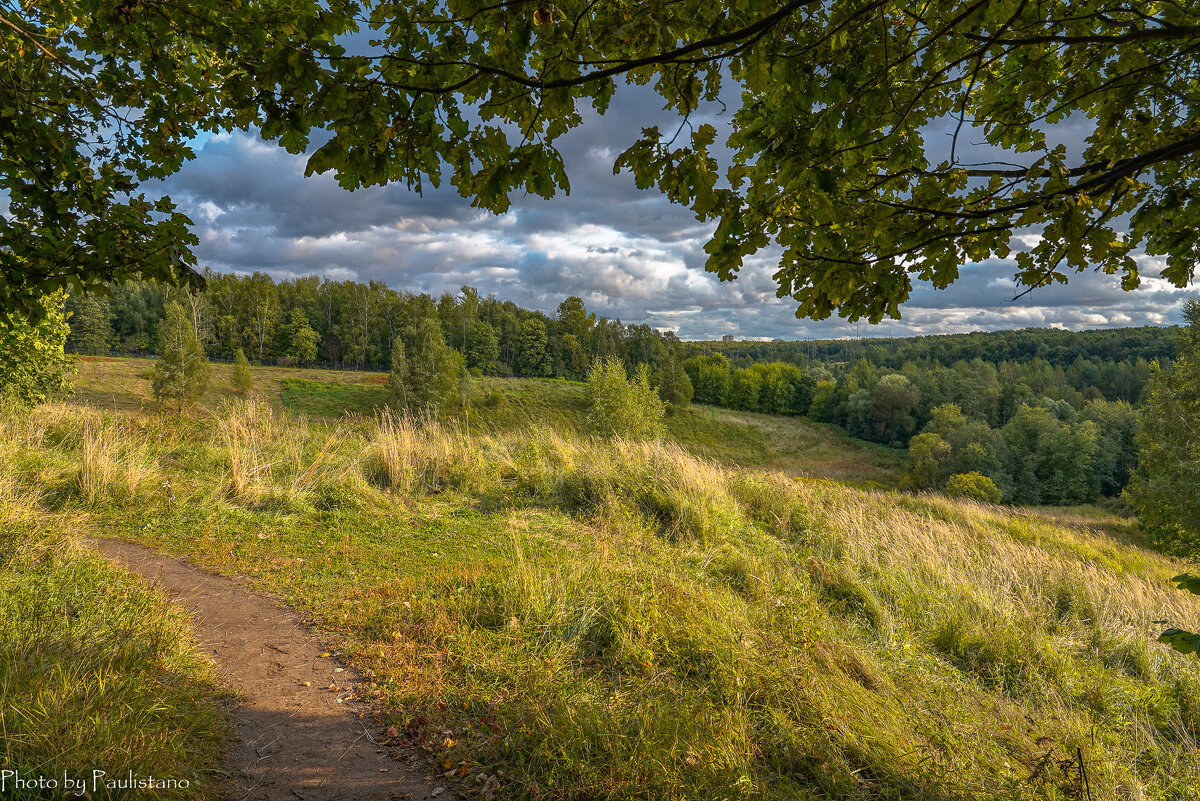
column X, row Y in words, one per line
column 832, row 152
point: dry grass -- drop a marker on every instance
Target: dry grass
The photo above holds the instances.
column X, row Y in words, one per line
column 618, row 620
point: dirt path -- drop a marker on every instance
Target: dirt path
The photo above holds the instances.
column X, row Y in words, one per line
column 297, row 742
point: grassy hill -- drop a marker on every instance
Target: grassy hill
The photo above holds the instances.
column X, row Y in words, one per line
column 792, row 444
column 609, row 620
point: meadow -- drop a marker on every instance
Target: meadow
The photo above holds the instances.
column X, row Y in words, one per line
column 600, row 619
column 496, row 405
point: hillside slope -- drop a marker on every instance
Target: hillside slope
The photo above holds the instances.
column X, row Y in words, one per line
column 792, row 444
column 608, row 620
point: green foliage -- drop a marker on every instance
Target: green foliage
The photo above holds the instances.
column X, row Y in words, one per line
column 70, row 163
column 1185, row 642
column 836, row 171
column 622, row 407
column 884, row 413
column 182, row 371
column 744, row 388
column 242, row 381
column 531, row 348
column 674, row 386
column 1165, row 488
column 973, row 485
column 302, row 339
column 33, row 366
column 575, row 319
column 483, row 349
column 823, row 401
column 710, row 378
column 427, row 374
column 90, row 318
column 928, row 464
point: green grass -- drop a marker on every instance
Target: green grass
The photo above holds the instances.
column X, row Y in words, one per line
column 792, row 444
column 95, row 672
column 607, row 620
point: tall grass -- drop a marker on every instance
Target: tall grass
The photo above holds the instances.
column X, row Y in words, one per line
column 615, row 620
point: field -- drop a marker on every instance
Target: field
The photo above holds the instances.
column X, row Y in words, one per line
column 792, row 444
column 608, row 620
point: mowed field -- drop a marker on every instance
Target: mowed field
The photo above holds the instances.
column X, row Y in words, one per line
column 495, row 405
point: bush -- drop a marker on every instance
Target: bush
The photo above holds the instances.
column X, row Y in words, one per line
column 621, row 407
column 243, row 381
column 973, row 485
column 33, row 367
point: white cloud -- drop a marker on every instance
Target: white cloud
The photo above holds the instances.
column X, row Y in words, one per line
column 629, row 253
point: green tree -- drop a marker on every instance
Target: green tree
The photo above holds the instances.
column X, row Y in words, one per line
column 427, row 374
column 574, row 357
column 1165, row 487
column 243, row 380
column 885, row 412
column 823, row 399
column 1116, row 457
column 622, row 407
column 710, row 376
column 483, row 349
column 928, row 462
column 302, row 340
column 182, row 370
column 1023, row 436
column 531, row 348
column 33, row 366
column 841, row 171
column 744, row 388
column 574, row 319
column 91, row 323
column 674, row 386
column 973, row 485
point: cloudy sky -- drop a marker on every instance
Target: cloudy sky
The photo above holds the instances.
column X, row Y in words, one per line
column 628, row 253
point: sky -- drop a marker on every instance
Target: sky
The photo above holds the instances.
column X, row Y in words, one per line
column 629, row 253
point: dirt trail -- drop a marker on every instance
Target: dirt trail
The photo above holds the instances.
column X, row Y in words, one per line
column 296, row 741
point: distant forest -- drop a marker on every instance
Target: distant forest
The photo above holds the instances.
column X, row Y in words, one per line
column 1045, row 416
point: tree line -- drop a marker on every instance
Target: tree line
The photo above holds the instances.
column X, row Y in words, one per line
column 1059, row 348
column 1054, row 425
column 309, row 320
column 1020, row 431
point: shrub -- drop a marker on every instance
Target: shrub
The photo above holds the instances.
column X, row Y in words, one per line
column 243, row 381
column 33, row 367
column 621, row 407
column 973, row 485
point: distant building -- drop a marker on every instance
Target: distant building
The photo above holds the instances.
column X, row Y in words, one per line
column 727, row 338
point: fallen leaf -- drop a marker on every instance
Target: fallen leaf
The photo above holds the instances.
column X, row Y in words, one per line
column 490, row 787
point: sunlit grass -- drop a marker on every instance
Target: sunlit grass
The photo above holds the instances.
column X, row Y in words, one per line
column 617, row 620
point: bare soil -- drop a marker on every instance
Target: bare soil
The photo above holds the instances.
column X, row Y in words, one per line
column 301, row 733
